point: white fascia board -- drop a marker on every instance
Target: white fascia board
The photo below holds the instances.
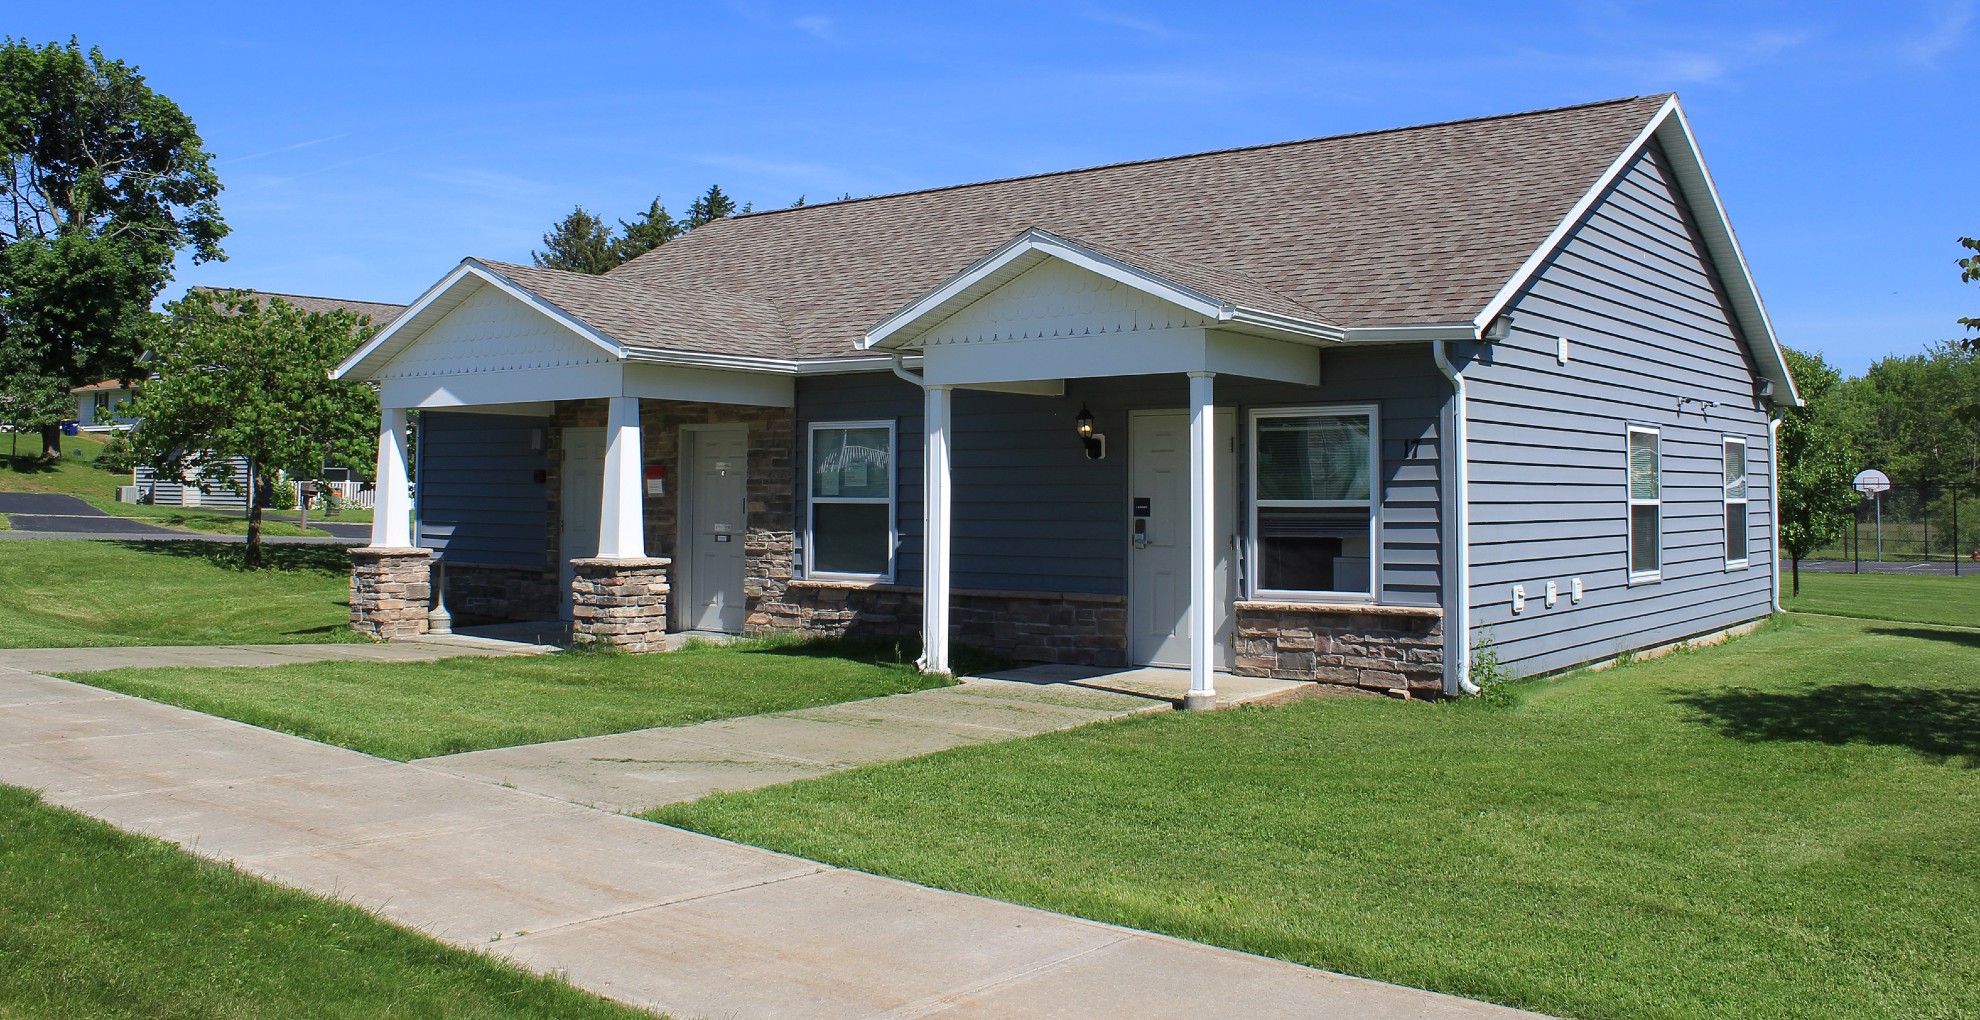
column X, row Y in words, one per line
column 1036, row 241
column 1414, row 332
column 770, row 366
column 402, row 334
column 1670, row 128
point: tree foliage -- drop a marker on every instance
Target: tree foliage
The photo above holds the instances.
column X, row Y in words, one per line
column 1969, row 271
column 239, row 378
column 1911, row 415
column 653, row 228
column 713, row 205
column 578, row 243
column 102, row 183
column 1817, row 461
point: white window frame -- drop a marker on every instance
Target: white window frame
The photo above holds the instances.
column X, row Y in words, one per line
column 1373, row 504
column 812, row 498
column 1629, row 514
column 1725, row 508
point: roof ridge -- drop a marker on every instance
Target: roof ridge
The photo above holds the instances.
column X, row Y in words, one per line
column 1152, row 161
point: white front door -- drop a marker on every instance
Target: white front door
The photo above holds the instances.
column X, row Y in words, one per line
column 714, row 527
column 581, row 497
column 1158, row 547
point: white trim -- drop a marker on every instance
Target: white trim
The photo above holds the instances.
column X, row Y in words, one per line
column 1726, row 503
column 1630, row 503
column 1673, row 130
column 1205, row 600
column 1774, row 507
column 937, row 515
column 391, row 517
column 1373, row 504
column 812, row 498
column 1412, row 332
column 416, row 311
column 621, row 505
column 1034, row 245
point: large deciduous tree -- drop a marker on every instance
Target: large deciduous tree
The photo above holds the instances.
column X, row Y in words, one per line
column 102, row 183
column 1816, row 461
column 240, row 378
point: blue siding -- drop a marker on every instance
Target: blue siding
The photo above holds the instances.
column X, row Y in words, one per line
column 1635, row 295
column 481, row 497
column 1032, row 513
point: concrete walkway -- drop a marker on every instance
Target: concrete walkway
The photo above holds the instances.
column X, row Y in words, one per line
column 91, row 660
column 667, row 765
column 643, row 913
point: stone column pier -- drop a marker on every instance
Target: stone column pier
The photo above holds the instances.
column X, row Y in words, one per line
column 391, row 588
column 620, row 601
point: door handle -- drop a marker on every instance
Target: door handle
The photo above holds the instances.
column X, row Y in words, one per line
column 1141, row 533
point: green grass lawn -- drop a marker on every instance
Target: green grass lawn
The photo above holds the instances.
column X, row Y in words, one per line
column 1784, row 826
column 415, row 710
column 1954, row 602
column 61, row 593
column 97, row 923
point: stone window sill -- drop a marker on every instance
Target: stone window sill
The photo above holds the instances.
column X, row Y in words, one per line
column 1341, row 608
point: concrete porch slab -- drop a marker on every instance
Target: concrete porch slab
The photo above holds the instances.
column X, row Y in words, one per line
column 1162, row 682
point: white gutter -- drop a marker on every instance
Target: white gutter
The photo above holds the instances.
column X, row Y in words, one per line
column 1457, row 604
column 900, row 369
column 1774, row 503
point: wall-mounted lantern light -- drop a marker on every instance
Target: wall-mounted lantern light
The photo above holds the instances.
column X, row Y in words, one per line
column 1096, row 444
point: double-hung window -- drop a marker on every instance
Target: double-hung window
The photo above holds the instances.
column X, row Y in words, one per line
column 1646, row 505
column 1734, row 478
column 1313, row 473
column 849, row 522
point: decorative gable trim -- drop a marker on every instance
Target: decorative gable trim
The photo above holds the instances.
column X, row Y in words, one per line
column 467, row 279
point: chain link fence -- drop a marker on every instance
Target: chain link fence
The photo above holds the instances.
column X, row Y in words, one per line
column 1916, row 522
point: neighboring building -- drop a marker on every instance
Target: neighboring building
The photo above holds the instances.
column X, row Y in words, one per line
column 95, row 406
column 1340, row 409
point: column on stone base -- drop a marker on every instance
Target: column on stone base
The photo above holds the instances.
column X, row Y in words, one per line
column 620, row 602
column 390, row 588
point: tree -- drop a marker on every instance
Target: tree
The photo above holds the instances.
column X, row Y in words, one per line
column 237, row 378
column 711, row 206
column 1816, row 461
column 31, row 402
column 1969, row 271
column 653, row 228
column 579, row 243
column 102, row 183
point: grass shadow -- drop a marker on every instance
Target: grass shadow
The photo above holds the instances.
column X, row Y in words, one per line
column 302, row 558
column 1970, row 639
column 874, row 651
column 1942, row 725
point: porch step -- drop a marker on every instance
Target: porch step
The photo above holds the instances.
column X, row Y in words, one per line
column 1161, row 682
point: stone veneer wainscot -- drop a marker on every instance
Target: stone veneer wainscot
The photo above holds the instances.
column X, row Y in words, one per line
column 1387, row 648
column 390, row 591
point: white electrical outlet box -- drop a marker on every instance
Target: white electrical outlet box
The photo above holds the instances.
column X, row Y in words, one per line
column 1553, row 594
column 1574, row 590
column 1519, row 598
column 1561, row 349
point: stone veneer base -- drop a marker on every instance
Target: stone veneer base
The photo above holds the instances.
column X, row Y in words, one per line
column 391, row 589
column 1064, row 627
column 1387, row 648
column 620, row 602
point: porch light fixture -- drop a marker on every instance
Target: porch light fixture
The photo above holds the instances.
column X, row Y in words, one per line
column 1096, row 444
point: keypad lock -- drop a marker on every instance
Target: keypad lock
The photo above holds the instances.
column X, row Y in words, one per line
column 1141, row 533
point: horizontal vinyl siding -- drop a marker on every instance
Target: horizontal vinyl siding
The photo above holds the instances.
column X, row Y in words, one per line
column 479, row 497
column 1032, row 513
column 1634, row 296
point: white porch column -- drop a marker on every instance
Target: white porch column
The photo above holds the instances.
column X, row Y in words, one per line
column 1203, row 592
column 391, row 512
column 935, row 508
column 621, row 514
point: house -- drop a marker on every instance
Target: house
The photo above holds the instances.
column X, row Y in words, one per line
column 97, row 405
column 1343, row 409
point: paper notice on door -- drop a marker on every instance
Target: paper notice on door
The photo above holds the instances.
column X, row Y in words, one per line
column 856, row 475
column 828, row 483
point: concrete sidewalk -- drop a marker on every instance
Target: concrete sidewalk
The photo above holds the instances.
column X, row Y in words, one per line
column 91, row 660
column 643, row 913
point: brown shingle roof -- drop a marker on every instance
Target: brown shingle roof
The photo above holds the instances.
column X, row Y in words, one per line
column 1413, row 225
column 380, row 312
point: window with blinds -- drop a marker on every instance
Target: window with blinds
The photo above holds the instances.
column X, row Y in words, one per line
column 1312, row 502
column 850, row 524
column 1734, row 477
column 1646, row 505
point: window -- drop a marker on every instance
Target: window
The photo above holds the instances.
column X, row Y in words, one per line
column 1735, row 496
column 1313, row 474
column 850, row 525
column 1646, row 505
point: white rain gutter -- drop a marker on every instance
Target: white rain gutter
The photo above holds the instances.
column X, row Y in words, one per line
column 901, row 369
column 1458, row 603
column 1774, row 502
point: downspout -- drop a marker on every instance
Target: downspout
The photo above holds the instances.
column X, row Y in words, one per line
column 901, row 369
column 1457, row 604
column 1774, row 503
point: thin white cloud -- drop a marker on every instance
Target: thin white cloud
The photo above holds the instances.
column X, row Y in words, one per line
column 284, row 148
column 814, row 24
column 1145, row 26
column 1944, row 35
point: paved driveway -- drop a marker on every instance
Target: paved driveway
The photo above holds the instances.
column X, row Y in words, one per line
column 48, row 512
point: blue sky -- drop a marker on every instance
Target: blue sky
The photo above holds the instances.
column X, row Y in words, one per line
column 367, row 147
